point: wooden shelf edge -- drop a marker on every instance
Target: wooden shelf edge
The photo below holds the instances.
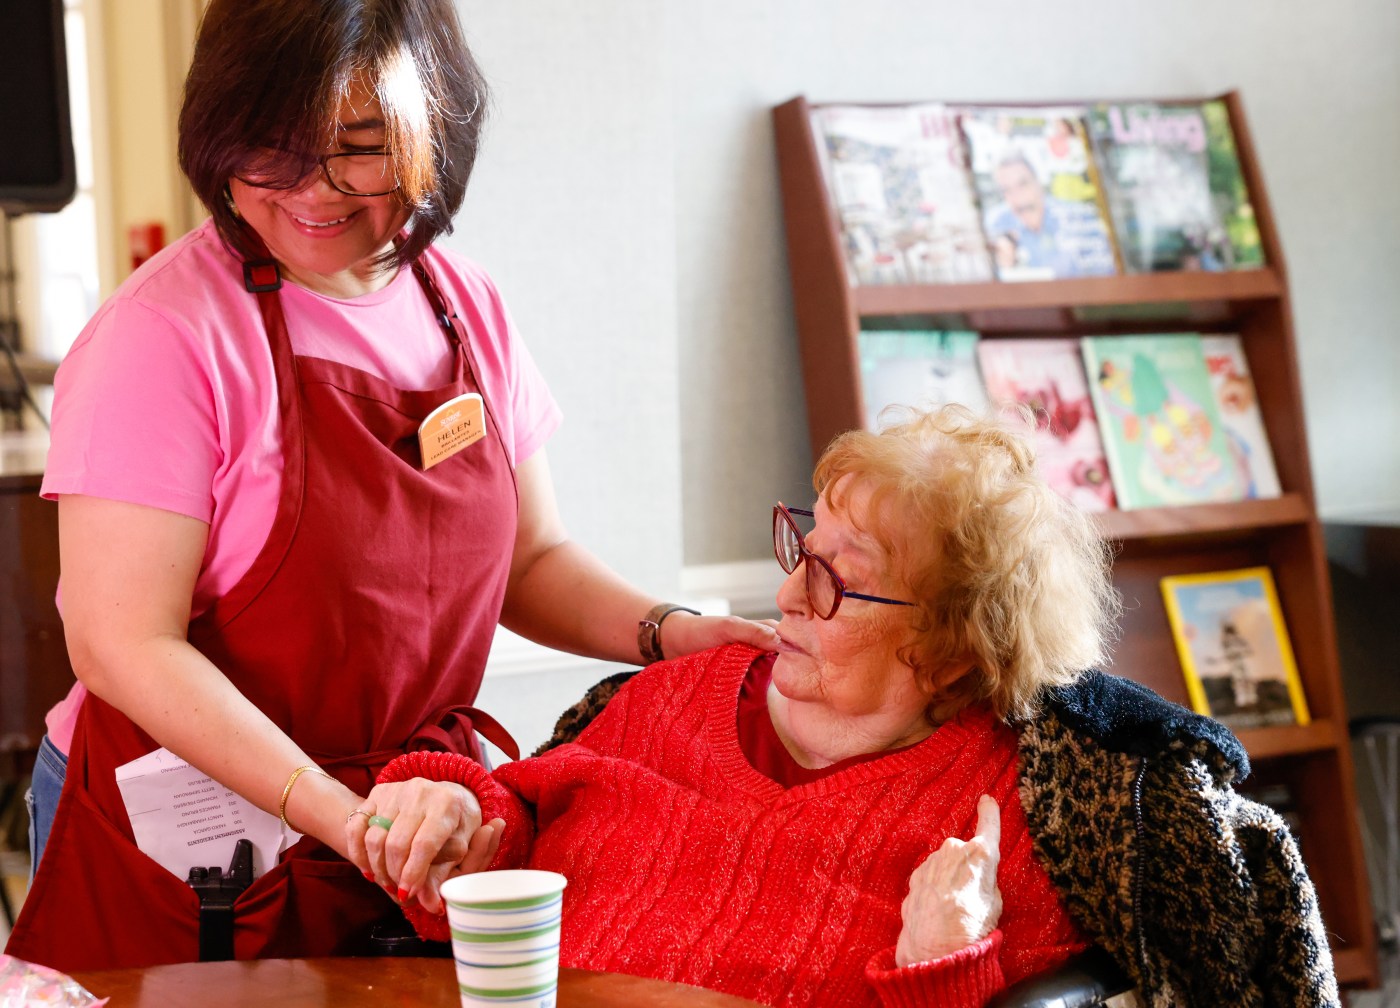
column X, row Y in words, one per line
column 1141, row 288
column 1354, row 968
column 1196, row 519
column 1290, row 740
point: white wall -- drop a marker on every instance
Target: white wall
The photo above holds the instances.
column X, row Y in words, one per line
column 1321, row 87
column 571, row 208
column 627, row 201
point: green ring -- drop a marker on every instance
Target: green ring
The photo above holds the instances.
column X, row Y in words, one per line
column 379, row 820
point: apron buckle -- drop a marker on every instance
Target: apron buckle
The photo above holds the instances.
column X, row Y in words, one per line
column 261, row 276
column 217, row 892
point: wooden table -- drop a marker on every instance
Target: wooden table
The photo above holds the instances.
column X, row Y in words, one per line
column 390, row 982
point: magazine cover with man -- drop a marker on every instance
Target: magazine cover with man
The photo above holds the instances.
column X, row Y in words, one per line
column 1042, row 209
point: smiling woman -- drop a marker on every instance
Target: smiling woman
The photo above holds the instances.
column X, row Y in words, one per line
column 328, row 221
column 412, row 89
column 257, row 545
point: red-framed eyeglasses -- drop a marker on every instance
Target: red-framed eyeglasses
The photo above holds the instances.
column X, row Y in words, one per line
column 825, row 588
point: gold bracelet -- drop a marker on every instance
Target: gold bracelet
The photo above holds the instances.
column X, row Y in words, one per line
column 282, row 809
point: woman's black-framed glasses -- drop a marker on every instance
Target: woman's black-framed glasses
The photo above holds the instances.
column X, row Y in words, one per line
column 357, row 173
column 825, row 588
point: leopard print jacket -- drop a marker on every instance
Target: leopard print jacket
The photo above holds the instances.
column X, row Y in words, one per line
column 1198, row 894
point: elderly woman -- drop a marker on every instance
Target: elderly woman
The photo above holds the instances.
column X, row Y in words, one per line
column 918, row 799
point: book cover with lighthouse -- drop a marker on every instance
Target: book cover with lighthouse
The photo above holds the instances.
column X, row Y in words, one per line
column 1234, row 648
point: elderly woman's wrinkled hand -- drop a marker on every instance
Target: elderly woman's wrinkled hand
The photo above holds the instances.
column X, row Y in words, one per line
column 435, row 831
column 685, row 634
column 953, row 897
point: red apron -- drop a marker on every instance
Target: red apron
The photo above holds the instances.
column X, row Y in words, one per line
column 361, row 629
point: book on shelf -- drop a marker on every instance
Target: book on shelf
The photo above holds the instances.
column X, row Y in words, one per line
column 1162, row 433
column 1042, row 206
column 1234, row 648
column 1174, row 188
column 1047, row 375
column 1229, row 189
column 1238, row 403
column 920, row 368
column 898, row 177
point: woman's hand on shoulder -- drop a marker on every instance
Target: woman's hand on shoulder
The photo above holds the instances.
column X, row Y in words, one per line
column 953, row 897
column 683, row 633
column 436, row 833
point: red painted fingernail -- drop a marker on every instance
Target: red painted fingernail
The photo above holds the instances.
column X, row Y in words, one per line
column 369, row 876
column 403, row 895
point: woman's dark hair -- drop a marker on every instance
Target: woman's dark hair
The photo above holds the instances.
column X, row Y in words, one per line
column 272, row 74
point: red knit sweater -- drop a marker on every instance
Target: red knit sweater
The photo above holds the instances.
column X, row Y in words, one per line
column 685, row 863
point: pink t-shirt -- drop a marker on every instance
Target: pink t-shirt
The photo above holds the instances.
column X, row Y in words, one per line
column 168, row 397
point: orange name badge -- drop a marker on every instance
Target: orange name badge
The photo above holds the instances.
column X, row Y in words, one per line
column 456, row 424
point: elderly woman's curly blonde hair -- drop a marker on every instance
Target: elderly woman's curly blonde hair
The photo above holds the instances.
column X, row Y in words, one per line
column 1008, row 575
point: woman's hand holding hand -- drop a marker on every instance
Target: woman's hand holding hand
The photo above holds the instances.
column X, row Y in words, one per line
column 437, row 832
column 683, row 633
column 953, row 898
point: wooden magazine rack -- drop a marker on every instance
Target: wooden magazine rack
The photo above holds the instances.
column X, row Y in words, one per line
column 1284, row 533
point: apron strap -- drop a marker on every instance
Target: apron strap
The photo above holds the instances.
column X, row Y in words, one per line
column 450, row 729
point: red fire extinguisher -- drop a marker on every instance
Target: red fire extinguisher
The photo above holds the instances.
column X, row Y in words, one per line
column 144, row 240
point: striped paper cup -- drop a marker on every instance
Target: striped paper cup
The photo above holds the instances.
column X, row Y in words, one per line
column 505, row 936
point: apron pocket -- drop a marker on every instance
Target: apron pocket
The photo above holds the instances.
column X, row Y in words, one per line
column 99, row 903
column 313, row 904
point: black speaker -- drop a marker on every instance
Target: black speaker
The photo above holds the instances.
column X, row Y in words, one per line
column 36, row 155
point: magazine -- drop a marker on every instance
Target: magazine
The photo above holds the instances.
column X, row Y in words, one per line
column 1042, row 209
column 899, row 179
column 1228, row 188
column 1238, row 403
column 918, row 368
column 1048, row 376
column 1173, row 184
column 1234, row 648
column 1161, row 430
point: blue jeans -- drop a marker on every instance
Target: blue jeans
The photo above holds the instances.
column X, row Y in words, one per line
column 46, row 784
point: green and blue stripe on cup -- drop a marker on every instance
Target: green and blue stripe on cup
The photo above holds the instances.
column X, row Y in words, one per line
column 505, row 936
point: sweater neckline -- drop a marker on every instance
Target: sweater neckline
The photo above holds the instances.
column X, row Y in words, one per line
column 726, row 671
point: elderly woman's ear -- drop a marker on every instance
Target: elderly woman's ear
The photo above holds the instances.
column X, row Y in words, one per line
column 948, row 685
column 948, row 676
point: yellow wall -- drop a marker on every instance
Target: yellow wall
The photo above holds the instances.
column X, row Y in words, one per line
column 141, row 51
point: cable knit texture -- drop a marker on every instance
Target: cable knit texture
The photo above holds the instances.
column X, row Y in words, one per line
column 687, row 864
column 446, row 766
column 1200, row 896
